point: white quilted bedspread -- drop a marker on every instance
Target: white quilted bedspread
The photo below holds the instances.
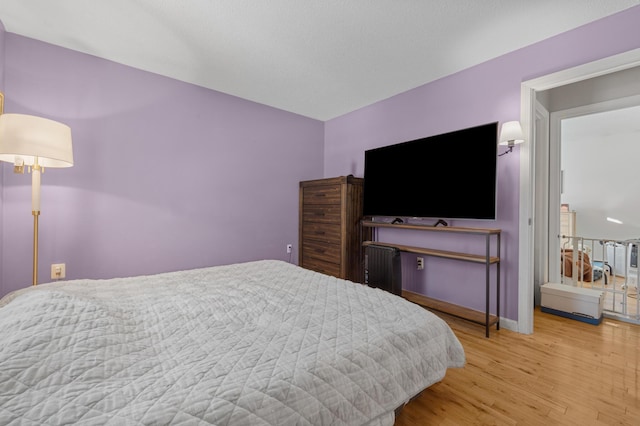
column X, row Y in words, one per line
column 259, row 343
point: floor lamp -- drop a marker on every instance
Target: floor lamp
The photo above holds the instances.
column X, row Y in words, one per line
column 38, row 143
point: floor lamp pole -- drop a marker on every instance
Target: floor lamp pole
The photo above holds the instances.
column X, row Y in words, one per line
column 36, row 170
column 35, row 247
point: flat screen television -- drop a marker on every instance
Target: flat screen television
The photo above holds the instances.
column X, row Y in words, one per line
column 447, row 176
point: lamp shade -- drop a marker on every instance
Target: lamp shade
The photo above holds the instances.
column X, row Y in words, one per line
column 511, row 133
column 26, row 137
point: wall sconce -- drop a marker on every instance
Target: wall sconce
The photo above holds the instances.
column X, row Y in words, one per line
column 35, row 142
column 510, row 135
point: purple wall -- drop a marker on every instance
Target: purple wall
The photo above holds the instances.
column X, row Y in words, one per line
column 481, row 94
column 167, row 175
column 2, row 41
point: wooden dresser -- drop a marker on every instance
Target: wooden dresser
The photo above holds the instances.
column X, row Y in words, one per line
column 330, row 239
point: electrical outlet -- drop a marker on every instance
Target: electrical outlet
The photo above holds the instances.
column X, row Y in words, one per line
column 289, row 248
column 58, row 271
column 420, row 263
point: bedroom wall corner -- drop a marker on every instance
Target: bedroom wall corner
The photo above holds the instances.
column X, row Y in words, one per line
column 167, row 175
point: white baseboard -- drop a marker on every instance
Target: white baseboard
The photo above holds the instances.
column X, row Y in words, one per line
column 509, row 324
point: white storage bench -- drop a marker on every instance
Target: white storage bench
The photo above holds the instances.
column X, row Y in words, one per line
column 582, row 304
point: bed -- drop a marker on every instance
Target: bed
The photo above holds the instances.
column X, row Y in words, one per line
column 257, row 343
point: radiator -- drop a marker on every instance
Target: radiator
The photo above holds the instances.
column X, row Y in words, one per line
column 382, row 268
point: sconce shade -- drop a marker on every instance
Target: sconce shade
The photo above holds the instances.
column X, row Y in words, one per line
column 26, row 137
column 511, row 133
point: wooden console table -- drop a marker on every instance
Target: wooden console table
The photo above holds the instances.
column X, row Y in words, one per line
column 485, row 318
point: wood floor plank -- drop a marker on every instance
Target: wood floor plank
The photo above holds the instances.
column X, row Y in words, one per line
column 565, row 373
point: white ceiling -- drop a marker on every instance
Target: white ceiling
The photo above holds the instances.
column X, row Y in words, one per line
column 317, row 58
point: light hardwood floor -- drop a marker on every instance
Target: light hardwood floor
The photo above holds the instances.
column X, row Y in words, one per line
column 565, row 373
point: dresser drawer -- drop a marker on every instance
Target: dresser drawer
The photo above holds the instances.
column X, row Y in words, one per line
column 321, row 214
column 326, row 232
column 320, row 266
column 320, row 250
column 329, row 236
column 322, row 194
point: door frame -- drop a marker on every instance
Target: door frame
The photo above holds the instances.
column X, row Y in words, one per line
column 542, row 212
column 528, row 168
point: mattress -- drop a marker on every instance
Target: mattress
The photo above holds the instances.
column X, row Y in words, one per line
column 256, row 343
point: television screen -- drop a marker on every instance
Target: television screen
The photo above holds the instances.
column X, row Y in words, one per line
column 447, row 176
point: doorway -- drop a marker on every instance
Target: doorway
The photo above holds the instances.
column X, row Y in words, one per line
column 533, row 226
column 593, row 189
